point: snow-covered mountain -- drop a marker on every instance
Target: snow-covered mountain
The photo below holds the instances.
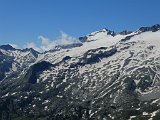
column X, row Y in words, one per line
column 107, row 76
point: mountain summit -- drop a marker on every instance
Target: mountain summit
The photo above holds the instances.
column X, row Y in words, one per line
column 108, row 76
column 7, row 47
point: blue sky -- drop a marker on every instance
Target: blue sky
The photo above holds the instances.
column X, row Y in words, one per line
column 22, row 21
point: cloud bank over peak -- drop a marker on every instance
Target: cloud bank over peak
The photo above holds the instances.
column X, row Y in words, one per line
column 66, row 39
column 47, row 44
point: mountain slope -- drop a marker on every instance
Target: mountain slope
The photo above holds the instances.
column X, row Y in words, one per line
column 110, row 76
column 15, row 60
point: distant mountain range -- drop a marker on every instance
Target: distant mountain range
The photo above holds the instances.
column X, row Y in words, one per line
column 106, row 76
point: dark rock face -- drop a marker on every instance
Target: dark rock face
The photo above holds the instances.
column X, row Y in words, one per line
column 36, row 69
column 83, row 39
column 66, row 58
column 94, row 56
column 153, row 28
column 69, row 46
column 1, row 54
column 111, row 33
column 127, row 38
column 91, row 58
column 5, row 65
column 2, row 76
column 125, row 32
column 7, row 47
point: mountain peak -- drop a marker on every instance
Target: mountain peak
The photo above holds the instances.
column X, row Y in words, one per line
column 34, row 52
column 125, row 32
column 153, row 28
column 29, row 49
column 7, row 47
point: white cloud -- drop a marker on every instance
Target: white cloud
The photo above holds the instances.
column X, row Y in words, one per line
column 66, row 39
column 45, row 41
column 47, row 44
